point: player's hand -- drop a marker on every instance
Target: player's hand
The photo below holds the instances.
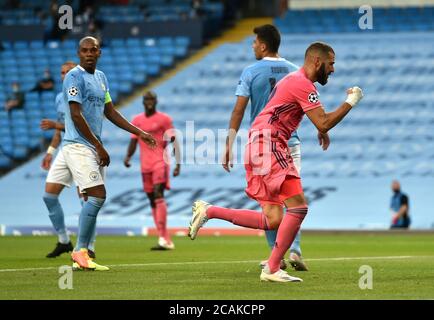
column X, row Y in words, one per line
column 47, row 124
column 104, row 158
column 148, row 139
column 324, row 140
column 177, row 170
column 127, row 162
column 46, row 161
column 227, row 159
column 355, row 94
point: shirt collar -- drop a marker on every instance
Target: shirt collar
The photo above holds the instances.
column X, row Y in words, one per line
column 273, row 59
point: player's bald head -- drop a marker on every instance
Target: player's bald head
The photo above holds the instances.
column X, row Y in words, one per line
column 396, row 186
column 318, row 49
column 150, row 95
column 89, row 40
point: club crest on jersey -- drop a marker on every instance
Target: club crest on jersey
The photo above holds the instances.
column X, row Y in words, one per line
column 313, row 97
column 103, row 86
column 73, row 91
column 93, row 175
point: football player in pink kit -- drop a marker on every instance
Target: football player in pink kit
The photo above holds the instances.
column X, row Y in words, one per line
column 270, row 172
column 155, row 163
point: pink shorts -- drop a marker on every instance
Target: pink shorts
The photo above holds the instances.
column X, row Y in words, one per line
column 157, row 176
column 270, row 172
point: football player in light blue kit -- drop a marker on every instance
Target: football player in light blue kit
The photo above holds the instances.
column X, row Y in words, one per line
column 54, row 182
column 87, row 92
column 256, row 83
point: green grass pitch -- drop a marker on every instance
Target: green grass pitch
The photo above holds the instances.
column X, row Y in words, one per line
column 223, row 268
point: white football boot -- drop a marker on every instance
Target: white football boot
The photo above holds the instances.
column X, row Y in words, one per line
column 199, row 217
column 278, row 276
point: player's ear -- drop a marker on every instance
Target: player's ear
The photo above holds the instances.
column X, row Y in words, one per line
column 318, row 62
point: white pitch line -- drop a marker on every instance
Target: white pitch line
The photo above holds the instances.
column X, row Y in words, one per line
column 222, row 262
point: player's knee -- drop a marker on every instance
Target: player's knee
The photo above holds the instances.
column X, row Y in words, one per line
column 97, row 203
column 274, row 222
column 158, row 192
column 158, row 195
column 51, row 201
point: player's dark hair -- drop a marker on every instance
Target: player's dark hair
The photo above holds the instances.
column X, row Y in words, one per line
column 269, row 35
column 321, row 47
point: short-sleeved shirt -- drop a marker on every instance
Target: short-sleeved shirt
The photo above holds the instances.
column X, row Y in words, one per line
column 161, row 127
column 292, row 96
column 91, row 91
column 257, row 82
column 399, row 199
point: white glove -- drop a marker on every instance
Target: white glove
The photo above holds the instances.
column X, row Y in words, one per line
column 355, row 94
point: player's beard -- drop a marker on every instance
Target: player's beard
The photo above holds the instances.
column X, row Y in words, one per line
column 322, row 75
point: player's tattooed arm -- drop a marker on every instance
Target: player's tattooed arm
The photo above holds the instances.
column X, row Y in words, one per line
column 324, row 121
column 324, row 140
column 177, row 153
column 55, row 141
column 234, row 125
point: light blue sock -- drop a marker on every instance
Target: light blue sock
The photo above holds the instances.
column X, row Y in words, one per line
column 87, row 221
column 56, row 216
column 91, row 245
column 295, row 246
column 271, row 237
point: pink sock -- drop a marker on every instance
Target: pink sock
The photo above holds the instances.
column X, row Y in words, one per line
column 245, row 218
column 285, row 235
column 161, row 211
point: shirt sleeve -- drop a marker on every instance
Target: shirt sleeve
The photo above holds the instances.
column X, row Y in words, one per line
column 404, row 200
column 135, row 122
column 73, row 88
column 243, row 87
column 108, row 98
column 306, row 96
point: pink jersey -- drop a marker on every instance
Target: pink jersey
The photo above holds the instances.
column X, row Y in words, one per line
column 292, row 96
column 161, row 127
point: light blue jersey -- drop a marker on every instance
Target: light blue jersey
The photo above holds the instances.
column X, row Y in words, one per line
column 92, row 92
column 61, row 107
column 258, row 80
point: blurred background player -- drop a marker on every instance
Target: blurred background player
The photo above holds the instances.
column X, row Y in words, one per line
column 399, row 205
column 270, row 173
column 155, row 163
column 15, row 99
column 87, row 92
column 46, row 83
column 54, row 182
column 256, row 83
